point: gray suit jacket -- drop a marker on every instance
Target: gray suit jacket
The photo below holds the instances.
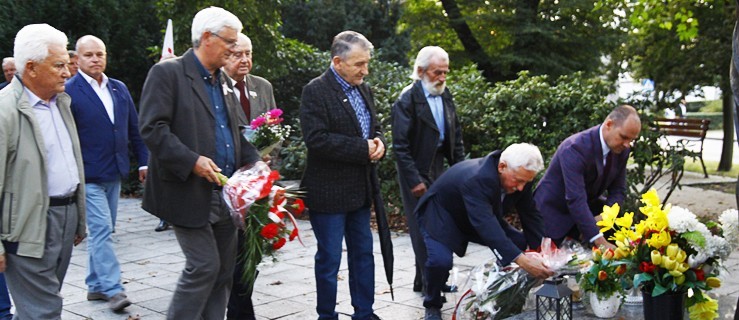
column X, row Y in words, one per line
column 261, row 95
column 177, row 124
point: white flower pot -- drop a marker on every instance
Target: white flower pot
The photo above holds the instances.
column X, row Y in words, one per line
column 605, row 308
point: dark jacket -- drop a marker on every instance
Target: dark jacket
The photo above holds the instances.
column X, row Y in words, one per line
column 464, row 206
column 177, row 123
column 105, row 144
column 416, row 136
column 574, row 179
column 337, row 176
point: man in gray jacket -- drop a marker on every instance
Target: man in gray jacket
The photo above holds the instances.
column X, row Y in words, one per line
column 42, row 208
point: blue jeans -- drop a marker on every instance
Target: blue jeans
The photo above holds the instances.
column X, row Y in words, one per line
column 5, row 304
column 103, row 269
column 330, row 229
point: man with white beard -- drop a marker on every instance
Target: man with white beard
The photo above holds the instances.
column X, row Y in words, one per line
column 425, row 132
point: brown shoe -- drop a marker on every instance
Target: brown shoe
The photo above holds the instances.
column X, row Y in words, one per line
column 119, row 302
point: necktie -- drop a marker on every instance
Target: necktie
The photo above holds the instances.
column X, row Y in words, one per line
column 608, row 165
column 245, row 105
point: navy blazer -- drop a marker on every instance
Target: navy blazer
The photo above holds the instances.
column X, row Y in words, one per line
column 104, row 144
column 464, row 205
column 338, row 175
column 575, row 179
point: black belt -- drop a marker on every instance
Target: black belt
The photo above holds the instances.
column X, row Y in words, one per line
column 60, row 202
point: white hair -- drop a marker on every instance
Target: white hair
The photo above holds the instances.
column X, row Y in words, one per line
column 424, row 57
column 523, row 155
column 213, row 20
column 245, row 41
column 32, row 44
column 8, row 60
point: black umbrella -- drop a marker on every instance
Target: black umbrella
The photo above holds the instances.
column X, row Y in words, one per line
column 383, row 230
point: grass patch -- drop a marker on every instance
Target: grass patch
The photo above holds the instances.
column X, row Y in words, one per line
column 713, row 106
column 695, row 166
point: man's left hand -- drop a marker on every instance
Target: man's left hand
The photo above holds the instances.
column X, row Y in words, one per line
column 379, row 150
column 78, row 239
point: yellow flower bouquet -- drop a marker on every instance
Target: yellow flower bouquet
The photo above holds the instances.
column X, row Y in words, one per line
column 671, row 252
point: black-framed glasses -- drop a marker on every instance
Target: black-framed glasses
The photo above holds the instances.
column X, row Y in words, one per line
column 230, row 42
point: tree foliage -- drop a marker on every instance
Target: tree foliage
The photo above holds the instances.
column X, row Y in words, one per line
column 317, row 22
column 126, row 27
column 509, row 36
column 682, row 45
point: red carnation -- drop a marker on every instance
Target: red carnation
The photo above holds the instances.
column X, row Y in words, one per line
column 647, row 267
column 298, row 206
column 277, row 245
column 266, row 189
column 270, row 231
column 699, row 274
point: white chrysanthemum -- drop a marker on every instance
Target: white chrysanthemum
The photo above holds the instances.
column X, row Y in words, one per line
column 730, row 225
column 718, row 247
column 682, row 220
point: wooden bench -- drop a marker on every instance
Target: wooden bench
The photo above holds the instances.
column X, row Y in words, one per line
column 692, row 131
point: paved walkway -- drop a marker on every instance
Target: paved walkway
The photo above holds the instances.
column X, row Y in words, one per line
column 151, row 263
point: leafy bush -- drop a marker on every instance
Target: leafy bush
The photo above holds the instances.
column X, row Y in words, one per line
column 528, row 109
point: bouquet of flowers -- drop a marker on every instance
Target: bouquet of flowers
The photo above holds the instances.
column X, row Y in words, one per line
column 497, row 293
column 266, row 132
column 260, row 208
column 671, row 251
column 605, row 276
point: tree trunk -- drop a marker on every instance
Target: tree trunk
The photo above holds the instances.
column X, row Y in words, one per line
column 727, row 151
column 473, row 48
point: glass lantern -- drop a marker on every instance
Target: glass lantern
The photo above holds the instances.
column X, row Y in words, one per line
column 554, row 301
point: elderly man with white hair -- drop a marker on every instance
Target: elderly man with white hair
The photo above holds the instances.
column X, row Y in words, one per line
column 426, row 131
column 190, row 121
column 8, row 70
column 41, row 169
column 468, row 203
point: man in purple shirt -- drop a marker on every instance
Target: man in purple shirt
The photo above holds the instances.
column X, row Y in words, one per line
column 41, row 202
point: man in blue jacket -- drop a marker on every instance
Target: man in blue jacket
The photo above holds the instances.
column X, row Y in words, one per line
column 107, row 123
column 468, row 204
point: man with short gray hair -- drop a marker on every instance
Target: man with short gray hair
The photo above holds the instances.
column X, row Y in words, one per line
column 426, row 131
column 8, row 70
column 344, row 140
column 41, row 170
column 190, row 121
column 468, row 203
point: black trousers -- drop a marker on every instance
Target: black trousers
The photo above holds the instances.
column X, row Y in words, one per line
column 240, row 306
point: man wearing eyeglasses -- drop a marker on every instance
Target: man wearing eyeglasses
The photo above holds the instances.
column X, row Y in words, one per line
column 189, row 120
column 256, row 97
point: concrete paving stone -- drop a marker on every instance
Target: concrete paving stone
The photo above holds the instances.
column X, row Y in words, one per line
column 283, row 309
column 151, row 263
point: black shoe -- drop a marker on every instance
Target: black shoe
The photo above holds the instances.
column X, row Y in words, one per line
column 163, row 225
column 374, row 317
column 448, row 288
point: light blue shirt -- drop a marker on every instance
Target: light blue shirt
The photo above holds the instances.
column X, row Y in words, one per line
column 437, row 109
column 61, row 168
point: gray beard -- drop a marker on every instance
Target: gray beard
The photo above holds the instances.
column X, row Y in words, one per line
column 431, row 88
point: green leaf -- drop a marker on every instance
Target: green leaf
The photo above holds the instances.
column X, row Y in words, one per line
column 694, row 237
column 642, row 277
column 658, row 290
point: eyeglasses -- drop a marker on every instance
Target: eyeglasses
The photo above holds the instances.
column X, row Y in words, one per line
column 231, row 43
